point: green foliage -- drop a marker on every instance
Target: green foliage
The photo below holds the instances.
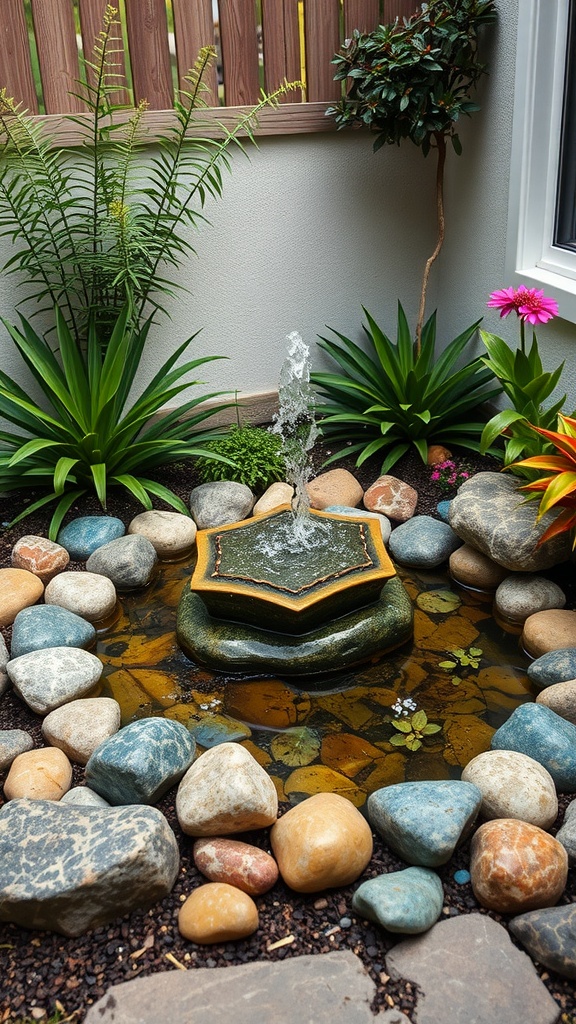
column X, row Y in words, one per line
column 391, row 396
column 254, row 456
column 411, row 731
column 524, row 381
column 86, row 439
column 412, row 79
column 462, row 659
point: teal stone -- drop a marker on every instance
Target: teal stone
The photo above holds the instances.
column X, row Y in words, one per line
column 423, row 542
column 337, row 645
column 554, row 667
column 549, row 935
column 408, row 901
column 423, row 822
column 443, row 510
column 537, row 731
column 215, row 729
column 48, row 625
column 87, row 533
column 141, row 762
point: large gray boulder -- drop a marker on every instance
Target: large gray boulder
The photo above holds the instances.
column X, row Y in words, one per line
column 69, row 869
column 489, row 512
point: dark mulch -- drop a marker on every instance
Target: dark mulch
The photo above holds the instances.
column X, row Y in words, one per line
column 40, row 970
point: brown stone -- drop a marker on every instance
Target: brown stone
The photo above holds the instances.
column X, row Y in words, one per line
column 516, row 867
column 44, row 774
column 277, row 494
column 437, row 453
column 561, row 698
column 217, row 912
column 227, row 860
column 392, row 497
column 549, row 630
column 336, row 487
column 40, row 556
column 321, row 843
column 473, row 569
column 18, row 589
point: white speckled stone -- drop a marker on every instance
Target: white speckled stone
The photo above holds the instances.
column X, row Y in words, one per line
column 83, row 796
column 172, row 534
column 225, row 791
column 53, row 676
column 522, row 595
column 86, row 593
column 513, row 785
column 80, row 726
column 128, row 561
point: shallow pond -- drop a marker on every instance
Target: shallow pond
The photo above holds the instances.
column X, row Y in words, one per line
column 350, row 733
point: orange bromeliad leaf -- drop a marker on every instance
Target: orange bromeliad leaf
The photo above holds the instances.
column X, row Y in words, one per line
column 561, row 490
column 564, row 442
column 565, row 522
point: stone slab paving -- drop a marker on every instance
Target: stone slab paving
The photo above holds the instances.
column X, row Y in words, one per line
column 329, row 989
column 469, row 972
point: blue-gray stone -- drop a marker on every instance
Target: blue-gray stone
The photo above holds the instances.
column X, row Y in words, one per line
column 47, row 625
column 212, row 730
column 424, row 821
column 535, row 730
column 141, row 762
column 87, row 533
column 554, row 667
column 423, row 542
column 128, row 561
column 549, row 935
column 362, row 513
column 462, row 877
column 443, row 510
column 408, row 901
column 567, row 833
column 12, row 743
column 69, row 869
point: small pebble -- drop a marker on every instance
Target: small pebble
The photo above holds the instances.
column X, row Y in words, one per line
column 345, row 922
column 462, row 877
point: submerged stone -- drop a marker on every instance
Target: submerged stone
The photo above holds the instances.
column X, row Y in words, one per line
column 87, row 533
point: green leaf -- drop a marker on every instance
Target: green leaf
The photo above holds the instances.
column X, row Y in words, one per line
column 397, row 740
column 447, row 664
column 431, row 728
column 402, row 724
column 296, row 747
column 419, row 719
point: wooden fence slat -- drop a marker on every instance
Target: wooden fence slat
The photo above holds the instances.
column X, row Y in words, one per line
column 57, row 54
column 194, row 28
column 398, row 9
column 321, row 25
column 149, row 53
column 15, row 66
column 239, row 40
column 281, row 42
column 361, row 14
column 91, row 24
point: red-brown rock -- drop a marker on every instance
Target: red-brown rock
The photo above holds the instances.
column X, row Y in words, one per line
column 40, row 556
column 437, row 453
column 227, row 860
column 516, row 867
column 392, row 497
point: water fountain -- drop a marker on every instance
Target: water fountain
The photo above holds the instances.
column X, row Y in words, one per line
column 295, row 591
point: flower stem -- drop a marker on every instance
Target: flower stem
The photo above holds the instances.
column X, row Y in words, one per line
column 522, row 335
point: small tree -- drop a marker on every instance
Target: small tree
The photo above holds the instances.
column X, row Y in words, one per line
column 413, row 81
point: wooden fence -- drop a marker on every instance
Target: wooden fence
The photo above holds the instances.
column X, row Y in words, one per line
column 260, row 44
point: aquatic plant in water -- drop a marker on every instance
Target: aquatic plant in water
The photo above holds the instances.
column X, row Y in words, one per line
column 411, row 731
column 462, row 659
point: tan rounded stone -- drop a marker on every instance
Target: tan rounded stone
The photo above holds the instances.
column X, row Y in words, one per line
column 44, row 774
column 473, row 569
column 79, row 727
column 40, row 556
column 321, row 843
column 277, row 494
column 217, row 912
column 87, row 594
column 393, row 497
column 516, row 867
column 513, row 785
column 561, row 698
column 336, row 487
column 18, row 589
column 437, row 453
column 171, row 534
column 227, row 860
column 550, row 630
column 225, row 791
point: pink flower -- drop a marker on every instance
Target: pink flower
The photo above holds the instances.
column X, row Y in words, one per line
column 505, row 300
column 530, row 304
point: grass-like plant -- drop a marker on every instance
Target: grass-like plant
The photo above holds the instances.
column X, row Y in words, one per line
column 84, row 437
column 388, row 396
column 256, row 455
column 556, row 482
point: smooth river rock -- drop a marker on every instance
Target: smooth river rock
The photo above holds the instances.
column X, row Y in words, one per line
column 423, row 822
column 567, row 833
column 548, row 631
column 279, row 493
column 18, row 589
column 48, row 678
column 522, row 595
column 4, row 659
column 86, row 534
column 335, row 487
column 473, row 569
column 217, row 912
column 362, row 513
column 513, row 785
column 129, row 562
column 423, row 542
column 70, row 869
column 516, row 866
column 172, row 534
column 44, row 626
column 81, row 726
column 141, row 762
column 549, row 935
column 227, row 860
column 537, row 731
column 555, row 667
column 86, row 593
column 220, row 502
column 39, row 555
column 408, row 901
column 83, row 796
column 225, row 791
column 392, row 497
column 560, row 698
column 321, row 843
column 44, row 774
column 490, row 513
column 12, row 743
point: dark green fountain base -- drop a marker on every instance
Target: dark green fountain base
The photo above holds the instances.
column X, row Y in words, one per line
column 339, row 644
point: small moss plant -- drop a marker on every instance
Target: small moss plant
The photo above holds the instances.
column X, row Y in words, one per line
column 255, row 452
column 462, row 659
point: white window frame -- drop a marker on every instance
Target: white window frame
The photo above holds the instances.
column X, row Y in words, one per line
column 531, row 257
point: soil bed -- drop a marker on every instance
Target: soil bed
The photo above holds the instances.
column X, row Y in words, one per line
column 42, row 969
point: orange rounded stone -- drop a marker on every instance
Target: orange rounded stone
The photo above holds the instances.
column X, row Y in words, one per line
column 321, row 843
column 18, row 589
column 44, row 774
column 217, row 912
column 516, row 867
